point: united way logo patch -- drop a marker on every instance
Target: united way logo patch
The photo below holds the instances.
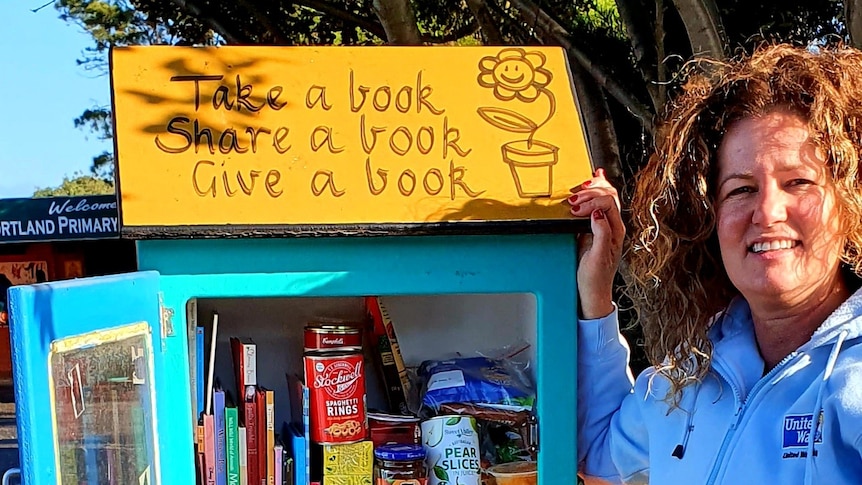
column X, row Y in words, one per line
column 798, row 429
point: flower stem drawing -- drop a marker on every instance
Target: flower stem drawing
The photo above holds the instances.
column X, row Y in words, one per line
column 518, row 74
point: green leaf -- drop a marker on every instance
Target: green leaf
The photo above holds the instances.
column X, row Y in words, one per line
column 453, row 421
column 507, row 120
column 440, row 473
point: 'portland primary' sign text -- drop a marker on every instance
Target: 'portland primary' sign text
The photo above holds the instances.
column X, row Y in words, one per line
column 58, row 218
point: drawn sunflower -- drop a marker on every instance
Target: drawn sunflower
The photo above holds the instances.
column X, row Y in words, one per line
column 514, row 73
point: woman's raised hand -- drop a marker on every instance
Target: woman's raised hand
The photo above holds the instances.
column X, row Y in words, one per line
column 599, row 253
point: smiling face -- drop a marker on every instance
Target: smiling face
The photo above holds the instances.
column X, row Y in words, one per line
column 777, row 225
column 514, row 74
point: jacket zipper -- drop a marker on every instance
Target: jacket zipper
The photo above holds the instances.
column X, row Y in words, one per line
column 742, row 406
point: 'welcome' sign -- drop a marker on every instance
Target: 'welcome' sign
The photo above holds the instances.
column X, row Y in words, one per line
column 334, row 136
column 58, row 218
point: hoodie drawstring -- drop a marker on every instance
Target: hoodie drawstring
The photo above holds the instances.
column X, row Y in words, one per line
column 679, row 450
column 816, row 418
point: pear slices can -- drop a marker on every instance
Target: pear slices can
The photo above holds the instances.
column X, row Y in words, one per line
column 452, row 450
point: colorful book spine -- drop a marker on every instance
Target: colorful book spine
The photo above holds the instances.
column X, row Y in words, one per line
column 298, row 449
column 201, row 463
column 232, row 445
column 252, row 441
column 270, row 437
column 221, row 455
column 278, row 452
column 210, row 449
column 243, row 455
column 244, row 353
column 260, row 408
column 393, row 369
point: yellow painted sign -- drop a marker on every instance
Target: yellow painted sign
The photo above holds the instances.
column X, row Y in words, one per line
column 338, row 135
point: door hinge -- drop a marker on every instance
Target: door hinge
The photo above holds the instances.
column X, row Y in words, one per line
column 166, row 316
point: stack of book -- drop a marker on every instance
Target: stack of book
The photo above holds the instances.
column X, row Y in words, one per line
column 236, row 439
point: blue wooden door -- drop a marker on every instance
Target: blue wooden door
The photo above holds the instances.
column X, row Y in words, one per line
column 88, row 366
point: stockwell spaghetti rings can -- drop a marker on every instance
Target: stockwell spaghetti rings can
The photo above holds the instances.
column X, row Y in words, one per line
column 336, row 384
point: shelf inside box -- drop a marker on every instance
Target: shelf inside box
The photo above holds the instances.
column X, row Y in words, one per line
column 428, row 327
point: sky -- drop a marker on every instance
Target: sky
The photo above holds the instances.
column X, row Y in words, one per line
column 42, row 91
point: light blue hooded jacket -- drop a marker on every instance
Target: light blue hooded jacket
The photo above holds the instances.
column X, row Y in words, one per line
column 737, row 426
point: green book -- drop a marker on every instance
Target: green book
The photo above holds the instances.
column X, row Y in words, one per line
column 232, row 444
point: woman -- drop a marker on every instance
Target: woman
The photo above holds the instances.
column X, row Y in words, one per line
column 745, row 246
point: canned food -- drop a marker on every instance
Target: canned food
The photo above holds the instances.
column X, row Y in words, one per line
column 452, row 450
column 326, row 337
column 336, row 384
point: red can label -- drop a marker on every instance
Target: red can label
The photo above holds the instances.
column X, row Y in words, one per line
column 337, row 398
column 341, row 338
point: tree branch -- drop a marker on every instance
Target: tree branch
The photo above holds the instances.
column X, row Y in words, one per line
column 466, row 30
column 598, row 125
column 704, row 28
column 551, row 32
column 661, row 70
column 210, row 22
column 486, row 22
column 399, row 21
column 277, row 34
column 853, row 21
column 327, row 8
column 637, row 27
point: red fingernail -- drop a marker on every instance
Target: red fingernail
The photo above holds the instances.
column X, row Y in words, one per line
column 587, row 183
column 576, row 207
column 597, row 215
column 573, row 198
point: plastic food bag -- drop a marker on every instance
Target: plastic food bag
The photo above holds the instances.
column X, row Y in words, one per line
column 476, row 380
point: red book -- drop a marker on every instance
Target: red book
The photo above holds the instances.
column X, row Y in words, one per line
column 260, row 408
column 244, row 352
column 252, row 464
column 209, row 449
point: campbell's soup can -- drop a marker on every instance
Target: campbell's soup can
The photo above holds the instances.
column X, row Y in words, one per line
column 452, row 450
column 327, row 337
column 337, row 407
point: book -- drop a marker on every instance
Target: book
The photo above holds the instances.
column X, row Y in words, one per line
column 270, row 437
column 243, row 455
column 232, row 445
column 209, row 449
column 278, row 453
column 260, row 409
column 296, row 442
column 196, row 376
column 251, row 426
column 218, row 416
column 390, row 361
column 199, row 448
column 244, row 354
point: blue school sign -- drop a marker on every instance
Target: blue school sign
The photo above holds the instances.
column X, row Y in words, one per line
column 58, row 218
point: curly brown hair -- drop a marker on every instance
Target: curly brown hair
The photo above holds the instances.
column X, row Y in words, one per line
column 673, row 271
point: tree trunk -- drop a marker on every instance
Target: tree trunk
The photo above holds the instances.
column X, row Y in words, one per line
column 704, row 28
column 548, row 31
column 486, row 22
column 640, row 33
column 853, row 21
column 598, row 125
column 399, row 21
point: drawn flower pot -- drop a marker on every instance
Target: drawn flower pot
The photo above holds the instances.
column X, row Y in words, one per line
column 532, row 165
